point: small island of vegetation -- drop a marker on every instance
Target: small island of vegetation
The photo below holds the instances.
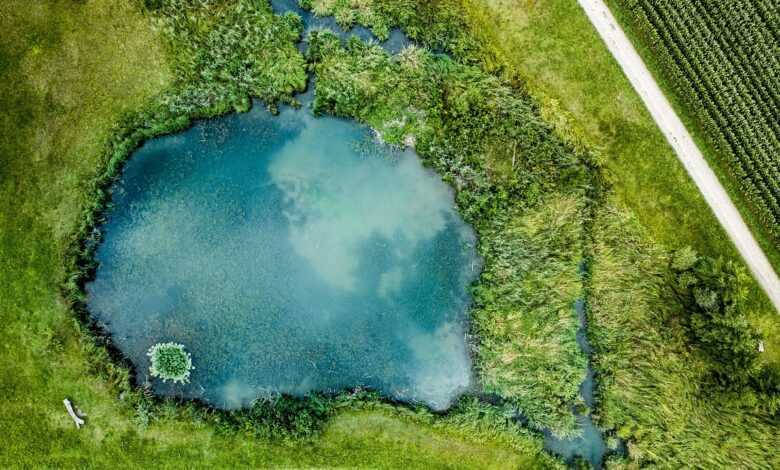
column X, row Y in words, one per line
column 170, row 362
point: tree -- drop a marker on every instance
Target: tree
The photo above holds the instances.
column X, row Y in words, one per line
column 712, row 294
column 170, row 362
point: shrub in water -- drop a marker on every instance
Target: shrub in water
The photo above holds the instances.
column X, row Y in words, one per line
column 170, row 362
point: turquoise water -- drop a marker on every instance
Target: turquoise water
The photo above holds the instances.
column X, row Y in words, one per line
column 289, row 254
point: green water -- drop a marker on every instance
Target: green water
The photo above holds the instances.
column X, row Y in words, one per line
column 289, row 254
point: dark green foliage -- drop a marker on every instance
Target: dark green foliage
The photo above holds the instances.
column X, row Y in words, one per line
column 723, row 57
column 522, row 312
column 281, row 417
column 711, row 294
column 767, row 381
column 233, row 49
column 153, row 4
column 438, row 25
column 655, row 383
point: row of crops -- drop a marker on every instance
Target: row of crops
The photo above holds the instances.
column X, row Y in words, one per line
column 723, row 59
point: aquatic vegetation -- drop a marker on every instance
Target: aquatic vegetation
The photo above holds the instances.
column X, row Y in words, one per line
column 349, row 12
column 438, row 26
column 169, row 361
column 506, row 164
column 225, row 52
column 523, row 310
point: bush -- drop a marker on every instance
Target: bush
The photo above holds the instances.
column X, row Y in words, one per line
column 170, row 362
column 711, row 293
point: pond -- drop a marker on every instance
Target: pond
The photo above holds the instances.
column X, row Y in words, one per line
column 289, row 254
column 294, row 254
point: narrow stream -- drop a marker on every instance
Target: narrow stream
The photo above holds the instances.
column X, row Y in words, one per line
column 590, row 445
column 311, row 22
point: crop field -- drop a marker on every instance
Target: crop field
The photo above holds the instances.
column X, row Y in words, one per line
column 723, row 61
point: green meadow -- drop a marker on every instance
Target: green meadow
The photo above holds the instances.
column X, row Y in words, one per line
column 571, row 189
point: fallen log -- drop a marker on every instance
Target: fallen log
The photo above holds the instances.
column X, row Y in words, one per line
column 68, row 406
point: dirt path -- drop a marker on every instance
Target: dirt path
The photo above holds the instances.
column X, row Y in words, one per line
column 687, row 151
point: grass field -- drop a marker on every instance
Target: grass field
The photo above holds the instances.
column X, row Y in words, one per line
column 69, row 71
column 651, row 385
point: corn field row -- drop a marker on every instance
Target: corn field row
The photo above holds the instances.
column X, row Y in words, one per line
column 723, row 59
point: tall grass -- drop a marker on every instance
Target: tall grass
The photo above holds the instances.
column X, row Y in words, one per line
column 438, row 26
column 654, row 388
column 523, row 310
